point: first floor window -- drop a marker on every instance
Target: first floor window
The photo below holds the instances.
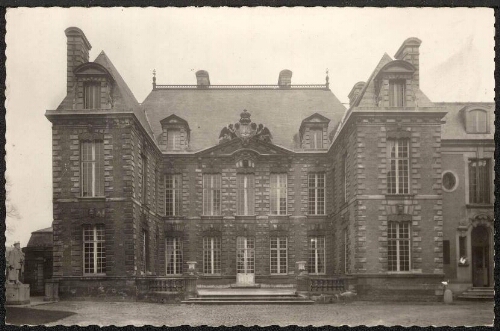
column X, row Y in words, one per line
column 446, row 252
column 245, row 194
column 93, row 249
column 279, row 255
column 211, row 194
column 346, row 252
column 144, row 183
column 316, row 255
column 316, row 189
column 278, row 194
column 92, row 168
column 145, row 251
column 211, row 255
column 398, row 176
column 174, row 256
column 172, row 195
column 479, row 181
column 398, row 244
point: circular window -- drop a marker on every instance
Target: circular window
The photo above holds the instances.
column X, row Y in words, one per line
column 450, row 181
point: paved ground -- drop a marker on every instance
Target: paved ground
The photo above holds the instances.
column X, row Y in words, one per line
column 353, row 313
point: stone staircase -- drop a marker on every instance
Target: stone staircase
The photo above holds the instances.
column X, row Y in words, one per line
column 478, row 293
column 247, row 295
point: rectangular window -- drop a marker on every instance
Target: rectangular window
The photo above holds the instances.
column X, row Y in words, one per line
column 92, row 95
column 211, row 194
column 316, row 255
column 144, row 177
column 344, row 174
column 173, row 256
column 398, row 176
column 92, row 168
column 446, row 252
column 145, row 251
column 94, row 250
column 398, row 246
column 278, row 194
column 279, row 255
column 397, row 89
column 479, row 181
column 462, row 247
column 173, row 139
column 346, row 252
column 316, row 138
column 477, row 121
column 211, row 255
column 173, row 195
column 245, row 195
column 316, row 189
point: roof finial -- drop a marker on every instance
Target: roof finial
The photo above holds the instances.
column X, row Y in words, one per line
column 327, row 79
column 154, row 79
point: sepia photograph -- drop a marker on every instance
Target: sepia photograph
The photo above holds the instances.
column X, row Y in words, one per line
column 250, row 166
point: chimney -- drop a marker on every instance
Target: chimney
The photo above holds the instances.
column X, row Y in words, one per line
column 285, row 78
column 202, row 79
column 78, row 53
column 409, row 52
column 355, row 92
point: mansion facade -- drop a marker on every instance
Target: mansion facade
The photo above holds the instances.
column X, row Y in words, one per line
column 395, row 192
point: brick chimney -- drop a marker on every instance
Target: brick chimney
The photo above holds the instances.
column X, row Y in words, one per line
column 78, row 53
column 202, row 79
column 409, row 51
column 285, row 78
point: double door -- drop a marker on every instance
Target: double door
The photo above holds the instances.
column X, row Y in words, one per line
column 245, row 260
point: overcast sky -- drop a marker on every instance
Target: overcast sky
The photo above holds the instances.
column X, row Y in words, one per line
column 236, row 46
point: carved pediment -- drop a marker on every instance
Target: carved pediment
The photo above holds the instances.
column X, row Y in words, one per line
column 245, row 129
column 253, row 146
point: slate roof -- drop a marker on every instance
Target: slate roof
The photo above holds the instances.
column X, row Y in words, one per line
column 454, row 126
column 123, row 99
column 208, row 110
column 41, row 238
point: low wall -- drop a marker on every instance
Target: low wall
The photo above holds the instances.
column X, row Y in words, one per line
column 97, row 288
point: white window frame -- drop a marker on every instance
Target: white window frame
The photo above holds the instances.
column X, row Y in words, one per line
column 96, row 166
column 144, row 179
column 174, row 141
column 215, row 186
column 175, row 193
column 95, row 229
column 317, row 257
column 210, row 250
column 393, row 92
column 92, row 100
column 472, row 116
column 316, row 134
column 344, row 160
column 145, row 254
column 398, row 240
column 177, row 254
column 316, row 189
column 246, row 193
column 281, row 188
column 396, row 144
column 278, row 249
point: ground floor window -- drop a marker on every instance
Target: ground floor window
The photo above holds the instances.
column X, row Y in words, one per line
column 316, row 255
column 173, row 256
column 398, row 241
column 93, row 249
column 211, row 255
column 279, row 255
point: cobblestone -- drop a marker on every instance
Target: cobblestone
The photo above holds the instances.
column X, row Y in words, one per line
column 352, row 314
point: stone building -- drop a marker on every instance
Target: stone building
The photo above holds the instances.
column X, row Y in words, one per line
column 248, row 180
column 38, row 260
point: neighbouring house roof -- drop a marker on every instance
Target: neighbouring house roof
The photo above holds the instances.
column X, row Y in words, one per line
column 123, row 99
column 208, row 110
column 454, row 126
column 41, row 238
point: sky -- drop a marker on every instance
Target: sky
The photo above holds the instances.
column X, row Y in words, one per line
column 236, row 46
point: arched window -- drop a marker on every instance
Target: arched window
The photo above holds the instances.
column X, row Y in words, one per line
column 477, row 121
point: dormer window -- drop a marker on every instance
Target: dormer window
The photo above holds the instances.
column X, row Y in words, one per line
column 92, row 95
column 477, row 121
column 316, row 138
column 397, row 91
column 174, row 139
column 312, row 132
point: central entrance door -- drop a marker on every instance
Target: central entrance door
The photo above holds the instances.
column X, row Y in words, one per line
column 245, row 260
column 481, row 262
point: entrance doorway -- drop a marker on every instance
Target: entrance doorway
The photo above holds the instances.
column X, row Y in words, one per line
column 481, row 257
column 245, row 261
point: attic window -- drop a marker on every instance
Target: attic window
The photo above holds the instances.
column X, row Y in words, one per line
column 173, row 139
column 397, row 93
column 477, row 121
column 92, row 95
column 316, row 138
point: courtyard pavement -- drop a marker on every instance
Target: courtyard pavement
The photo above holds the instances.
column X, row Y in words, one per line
column 351, row 313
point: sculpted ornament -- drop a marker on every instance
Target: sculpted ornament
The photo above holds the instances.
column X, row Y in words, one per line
column 245, row 129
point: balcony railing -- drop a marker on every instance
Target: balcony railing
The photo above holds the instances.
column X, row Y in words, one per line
column 328, row 285
column 166, row 284
column 241, row 87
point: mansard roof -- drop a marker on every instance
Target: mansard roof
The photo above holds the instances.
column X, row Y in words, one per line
column 207, row 110
column 454, row 127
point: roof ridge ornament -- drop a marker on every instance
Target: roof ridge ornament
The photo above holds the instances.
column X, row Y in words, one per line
column 245, row 129
column 327, row 80
column 154, row 79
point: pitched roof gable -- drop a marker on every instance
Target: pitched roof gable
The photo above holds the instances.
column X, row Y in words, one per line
column 366, row 97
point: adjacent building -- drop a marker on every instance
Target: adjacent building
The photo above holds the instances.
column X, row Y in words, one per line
column 394, row 192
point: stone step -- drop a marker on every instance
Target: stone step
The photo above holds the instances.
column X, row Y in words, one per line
column 236, row 298
column 478, row 293
column 249, row 302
